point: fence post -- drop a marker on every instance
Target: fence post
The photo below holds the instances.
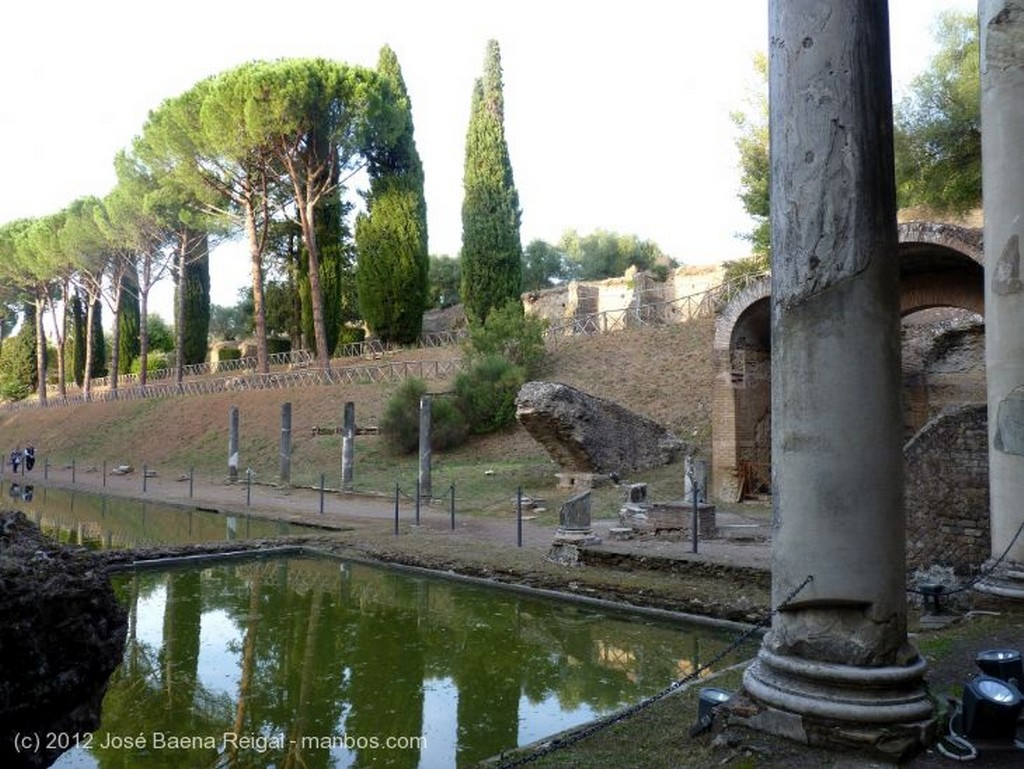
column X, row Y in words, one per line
column 73, row 472
column 451, row 505
column 104, row 481
column 519, row 516
column 248, row 486
column 321, row 493
column 417, row 502
column 144, row 475
column 396, row 509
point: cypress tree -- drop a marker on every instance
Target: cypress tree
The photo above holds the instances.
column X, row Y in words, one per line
column 77, row 339
column 19, row 374
column 491, row 258
column 129, row 319
column 196, row 286
column 391, row 239
column 99, row 342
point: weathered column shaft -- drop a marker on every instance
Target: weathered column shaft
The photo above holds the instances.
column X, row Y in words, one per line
column 233, row 444
column 839, row 650
column 424, row 479
column 348, row 445
column 285, row 447
column 1002, row 135
column 836, row 419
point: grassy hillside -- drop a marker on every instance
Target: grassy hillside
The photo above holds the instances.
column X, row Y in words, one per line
column 663, row 373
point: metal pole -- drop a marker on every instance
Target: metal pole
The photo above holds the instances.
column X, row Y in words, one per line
column 693, row 490
column 451, row 505
column 321, row 493
column 191, row 480
column 73, row 471
column 248, row 486
column 144, row 474
column 46, row 469
column 519, row 516
column 104, row 473
column 396, row 509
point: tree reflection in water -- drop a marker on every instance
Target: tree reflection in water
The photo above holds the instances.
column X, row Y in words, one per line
column 317, row 663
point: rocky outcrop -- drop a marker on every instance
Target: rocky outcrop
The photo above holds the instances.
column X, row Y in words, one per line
column 62, row 634
column 584, row 433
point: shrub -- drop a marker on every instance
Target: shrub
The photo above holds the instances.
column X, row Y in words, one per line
column 225, row 354
column 510, row 333
column 448, row 427
column 348, row 335
column 155, row 361
column 278, row 345
column 400, row 424
column 487, row 393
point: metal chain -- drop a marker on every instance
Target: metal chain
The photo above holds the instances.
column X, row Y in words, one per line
column 980, row 575
column 596, row 726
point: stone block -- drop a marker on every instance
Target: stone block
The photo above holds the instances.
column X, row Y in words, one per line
column 575, row 513
column 587, row 434
column 574, row 522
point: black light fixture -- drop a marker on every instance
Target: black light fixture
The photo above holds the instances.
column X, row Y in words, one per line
column 708, row 700
column 932, row 593
column 1004, row 664
column 990, row 708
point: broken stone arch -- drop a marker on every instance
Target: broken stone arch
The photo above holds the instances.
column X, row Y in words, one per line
column 941, row 265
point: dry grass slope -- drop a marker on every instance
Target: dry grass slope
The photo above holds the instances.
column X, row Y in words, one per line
column 663, row 373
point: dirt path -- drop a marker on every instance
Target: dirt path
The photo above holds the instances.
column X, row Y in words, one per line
column 375, row 514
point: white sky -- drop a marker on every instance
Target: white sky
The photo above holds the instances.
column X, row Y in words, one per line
column 617, row 113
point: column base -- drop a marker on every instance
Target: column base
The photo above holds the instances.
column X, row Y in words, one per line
column 1006, row 581
column 882, row 710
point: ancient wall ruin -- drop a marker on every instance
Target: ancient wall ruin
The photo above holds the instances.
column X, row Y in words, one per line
column 947, row 499
column 615, row 296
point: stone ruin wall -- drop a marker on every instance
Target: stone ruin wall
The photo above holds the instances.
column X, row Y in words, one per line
column 577, row 299
column 942, row 367
column 947, row 498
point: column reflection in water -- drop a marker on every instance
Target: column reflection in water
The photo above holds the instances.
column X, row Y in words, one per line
column 316, row 663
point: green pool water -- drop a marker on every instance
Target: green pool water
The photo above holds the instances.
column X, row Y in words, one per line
column 316, row 662
column 100, row 522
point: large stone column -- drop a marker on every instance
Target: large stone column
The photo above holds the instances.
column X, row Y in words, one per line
column 836, row 666
column 425, row 454
column 348, row 445
column 1002, row 144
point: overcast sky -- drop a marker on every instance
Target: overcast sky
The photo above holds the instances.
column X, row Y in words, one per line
column 617, row 113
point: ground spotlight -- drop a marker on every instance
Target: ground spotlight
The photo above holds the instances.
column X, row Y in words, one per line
column 1004, row 664
column 707, row 702
column 990, row 709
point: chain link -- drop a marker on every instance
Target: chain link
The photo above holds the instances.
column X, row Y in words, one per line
column 596, row 726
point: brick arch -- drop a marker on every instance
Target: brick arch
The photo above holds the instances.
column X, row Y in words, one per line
column 741, row 392
column 967, row 241
column 941, row 265
column 735, row 308
column 954, row 288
